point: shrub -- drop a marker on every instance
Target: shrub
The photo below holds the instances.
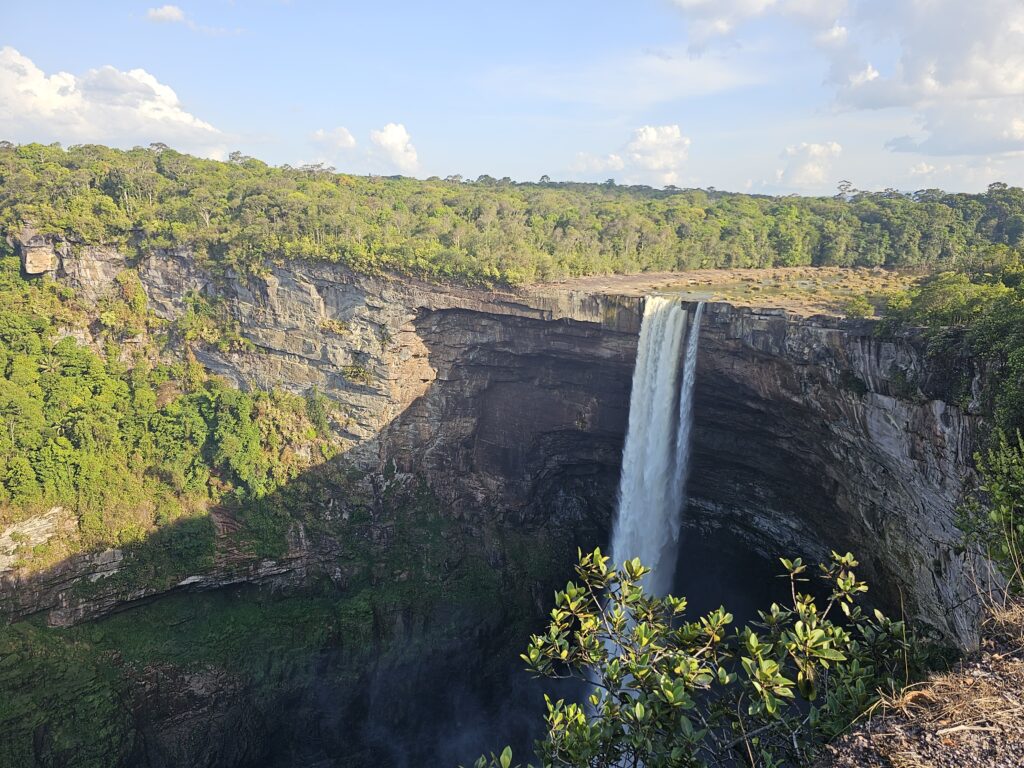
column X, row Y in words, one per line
column 993, row 518
column 667, row 691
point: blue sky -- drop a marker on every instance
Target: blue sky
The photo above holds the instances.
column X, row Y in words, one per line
column 758, row 95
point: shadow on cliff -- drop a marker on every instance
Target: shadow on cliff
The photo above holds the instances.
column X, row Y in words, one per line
column 375, row 617
column 384, row 633
column 349, row 617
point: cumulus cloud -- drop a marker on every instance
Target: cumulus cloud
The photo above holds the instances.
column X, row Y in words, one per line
column 396, row 145
column 658, row 151
column 960, row 68
column 710, row 19
column 808, row 165
column 103, row 105
column 654, row 155
column 338, row 138
column 588, row 163
column 166, row 14
column 957, row 66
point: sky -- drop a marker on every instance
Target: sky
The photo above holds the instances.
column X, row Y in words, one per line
column 765, row 96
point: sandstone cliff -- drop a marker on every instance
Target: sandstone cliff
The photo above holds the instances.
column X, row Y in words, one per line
column 514, row 406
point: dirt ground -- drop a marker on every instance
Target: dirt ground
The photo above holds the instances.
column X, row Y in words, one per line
column 969, row 717
column 800, row 290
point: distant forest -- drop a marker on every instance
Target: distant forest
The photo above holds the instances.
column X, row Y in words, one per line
column 240, row 213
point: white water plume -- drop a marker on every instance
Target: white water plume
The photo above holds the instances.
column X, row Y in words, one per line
column 654, row 463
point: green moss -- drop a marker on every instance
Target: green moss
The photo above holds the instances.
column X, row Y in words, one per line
column 357, row 374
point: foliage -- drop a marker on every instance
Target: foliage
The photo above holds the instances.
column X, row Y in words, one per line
column 207, row 321
column 975, row 313
column 128, row 444
column 994, row 517
column 857, row 308
column 673, row 692
column 240, row 213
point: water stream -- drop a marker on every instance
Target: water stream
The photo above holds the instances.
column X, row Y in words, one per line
column 652, row 486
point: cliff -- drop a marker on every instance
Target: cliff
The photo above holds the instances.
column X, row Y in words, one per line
column 810, row 434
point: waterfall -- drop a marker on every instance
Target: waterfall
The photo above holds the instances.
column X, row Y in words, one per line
column 686, row 417
column 654, row 461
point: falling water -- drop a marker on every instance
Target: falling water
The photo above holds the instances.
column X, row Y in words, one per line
column 654, row 462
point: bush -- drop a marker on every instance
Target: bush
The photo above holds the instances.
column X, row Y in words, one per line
column 673, row 692
column 857, row 308
column 993, row 518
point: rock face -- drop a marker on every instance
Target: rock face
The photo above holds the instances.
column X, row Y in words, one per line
column 802, row 444
column 807, row 435
column 38, row 255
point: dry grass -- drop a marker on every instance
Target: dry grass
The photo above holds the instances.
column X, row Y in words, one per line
column 800, row 290
column 970, row 716
column 965, row 700
column 1006, row 622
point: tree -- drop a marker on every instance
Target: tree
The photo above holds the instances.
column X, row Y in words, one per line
column 672, row 692
column 994, row 517
column 857, row 308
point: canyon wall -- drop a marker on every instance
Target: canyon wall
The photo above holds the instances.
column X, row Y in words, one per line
column 810, row 433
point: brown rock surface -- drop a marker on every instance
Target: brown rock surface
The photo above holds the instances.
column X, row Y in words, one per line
column 513, row 405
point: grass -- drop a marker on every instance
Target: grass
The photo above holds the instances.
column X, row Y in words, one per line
column 970, row 714
column 802, row 290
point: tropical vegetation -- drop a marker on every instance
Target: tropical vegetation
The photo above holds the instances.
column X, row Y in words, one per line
column 240, row 213
column 670, row 690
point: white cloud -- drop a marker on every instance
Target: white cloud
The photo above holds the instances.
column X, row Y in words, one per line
column 654, row 155
column 172, row 14
column 715, row 18
column 808, row 165
column 166, row 14
column 866, row 75
column 658, row 150
column 958, row 66
column 710, row 19
column 396, row 144
column 834, row 35
column 338, row 138
column 588, row 163
column 104, row 105
column 921, row 169
column 947, row 49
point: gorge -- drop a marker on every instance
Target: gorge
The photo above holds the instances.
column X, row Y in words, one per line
column 482, row 438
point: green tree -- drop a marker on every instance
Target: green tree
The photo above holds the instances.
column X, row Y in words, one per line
column 668, row 691
column 993, row 518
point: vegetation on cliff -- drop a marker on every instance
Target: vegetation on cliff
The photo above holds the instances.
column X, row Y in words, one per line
column 240, row 213
column 241, row 673
column 975, row 313
column 669, row 691
column 128, row 440
column 993, row 518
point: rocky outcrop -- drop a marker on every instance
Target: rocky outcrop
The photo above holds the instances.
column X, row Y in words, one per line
column 810, row 433
column 807, row 439
column 28, row 534
column 37, row 253
column 90, row 268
